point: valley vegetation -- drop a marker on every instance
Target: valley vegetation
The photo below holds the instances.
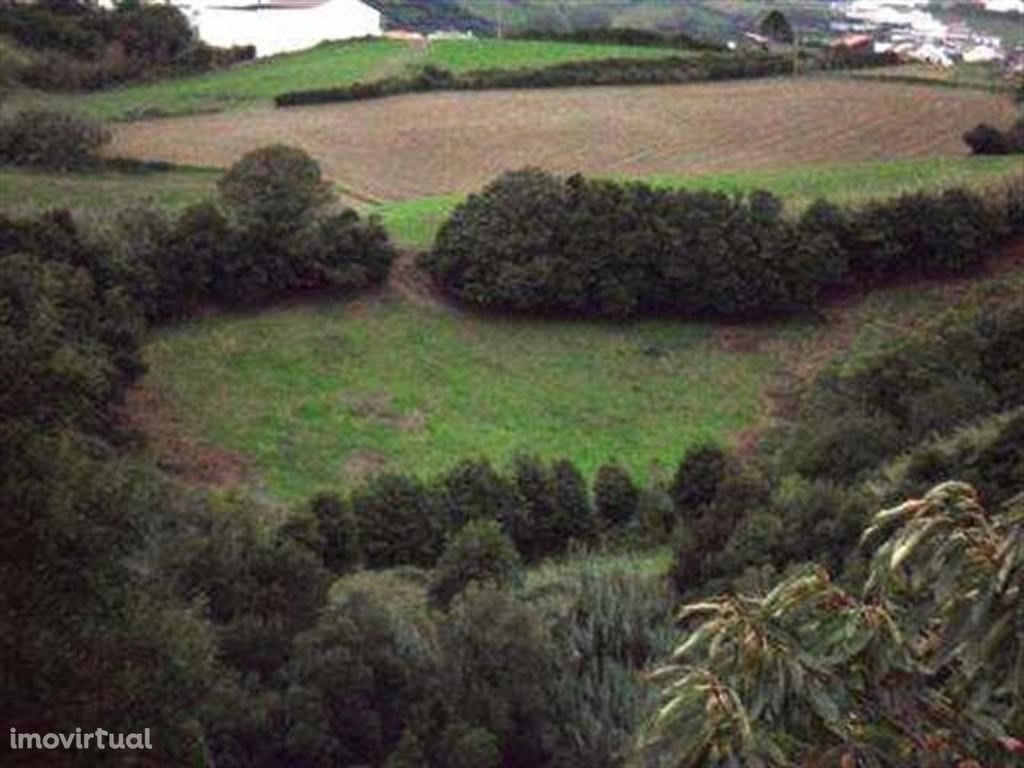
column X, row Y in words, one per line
column 412, row 621
column 840, row 586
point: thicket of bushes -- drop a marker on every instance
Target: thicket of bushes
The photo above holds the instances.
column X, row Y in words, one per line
column 84, row 46
column 273, row 233
column 661, row 71
column 945, row 402
column 49, row 139
column 534, row 242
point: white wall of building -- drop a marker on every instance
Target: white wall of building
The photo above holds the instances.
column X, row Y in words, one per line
column 280, row 30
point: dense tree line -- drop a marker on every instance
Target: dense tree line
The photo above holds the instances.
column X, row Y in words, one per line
column 84, row 46
column 534, row 242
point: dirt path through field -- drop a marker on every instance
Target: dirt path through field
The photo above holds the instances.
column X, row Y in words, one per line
column 447, row 143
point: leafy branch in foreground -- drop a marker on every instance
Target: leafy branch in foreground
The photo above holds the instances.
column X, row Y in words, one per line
column 925, row 669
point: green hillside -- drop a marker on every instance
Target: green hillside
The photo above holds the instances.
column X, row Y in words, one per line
column 328, row 64
column 712, row 19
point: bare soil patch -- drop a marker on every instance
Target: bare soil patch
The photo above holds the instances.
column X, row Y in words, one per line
column 178, row 452
column 362, row 465
column 447, row 143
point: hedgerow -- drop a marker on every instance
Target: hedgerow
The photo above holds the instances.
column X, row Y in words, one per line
column 535, row 242
column 661, row 71
column 619, row 36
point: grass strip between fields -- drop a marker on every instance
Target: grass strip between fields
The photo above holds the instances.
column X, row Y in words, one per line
column 414, row 223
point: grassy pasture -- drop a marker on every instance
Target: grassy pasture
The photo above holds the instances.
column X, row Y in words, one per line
column 329, row 64
column 317, row 396
column 24, row 191
column 414, row 223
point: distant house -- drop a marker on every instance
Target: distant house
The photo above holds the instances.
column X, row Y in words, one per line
column 756, row 41
column 279, row 26
column 853, row 44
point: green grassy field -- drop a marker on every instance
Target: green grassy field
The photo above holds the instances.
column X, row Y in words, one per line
column 414, row 223
column 329, row 64
column 315, row 395
column 26, row 191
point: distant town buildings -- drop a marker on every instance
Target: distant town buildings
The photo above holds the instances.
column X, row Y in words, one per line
column 908, row 29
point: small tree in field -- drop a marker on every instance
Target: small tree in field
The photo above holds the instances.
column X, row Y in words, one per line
column 275, row 188
column 923, row 669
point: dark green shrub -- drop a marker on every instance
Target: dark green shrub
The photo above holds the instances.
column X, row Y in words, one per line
column 473, row 490
column 556, row 508
column 478, row 553
column 1000, row 338
column 399, row 522
column 821, row 521
column 281, row 241
column 467, row 747
column 843, row 446
column 985, row 139
column 574, row 511
column 656, row 514
column 408, row 753
column 66, row 348
column 339, row 530
column 989, row 458
column 695, row 486
column 345, row 253
column 825, row 234
column 51, row 140
column 532, row 242
column 499, row 669
column 261, row 586
column 615, row 495
column 200, row 244
column 355, row 682
column 277, row 188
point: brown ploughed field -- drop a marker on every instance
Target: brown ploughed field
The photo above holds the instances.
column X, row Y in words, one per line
column 445, row 143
